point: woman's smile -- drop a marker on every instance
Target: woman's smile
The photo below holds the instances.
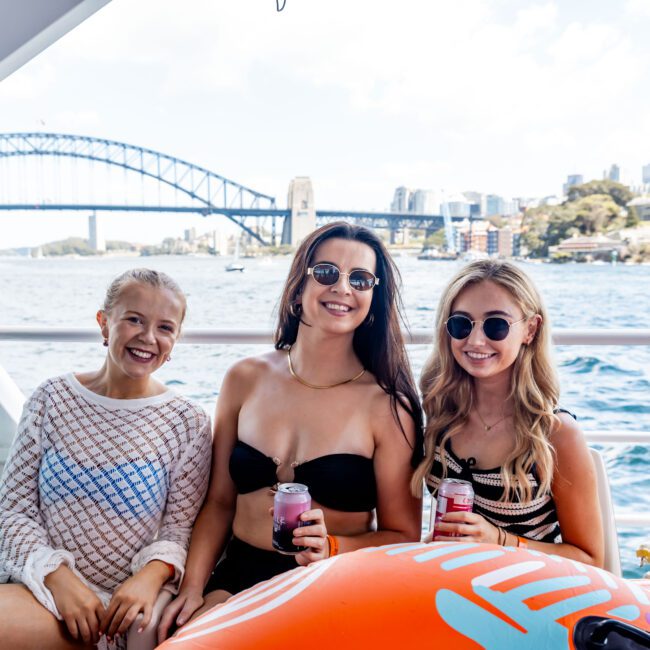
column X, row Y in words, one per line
column 337, row 309
column 478, row 357
column 139, row 355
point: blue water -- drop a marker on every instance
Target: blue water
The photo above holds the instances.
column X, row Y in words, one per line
column 607, row 387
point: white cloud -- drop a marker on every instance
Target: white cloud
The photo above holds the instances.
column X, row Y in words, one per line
column 532, row 20
column 638, row 8
column 362, row 95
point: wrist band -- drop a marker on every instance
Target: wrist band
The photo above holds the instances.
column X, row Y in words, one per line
column 171, row 568
column 333, row 544
column 522, row 542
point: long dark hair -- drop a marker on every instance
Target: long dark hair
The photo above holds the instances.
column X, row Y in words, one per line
column 378, row 341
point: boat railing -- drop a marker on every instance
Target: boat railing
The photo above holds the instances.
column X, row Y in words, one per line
column 11, row 398
column 213, row 336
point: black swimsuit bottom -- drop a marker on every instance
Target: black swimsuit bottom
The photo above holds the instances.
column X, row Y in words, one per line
column 244, row 565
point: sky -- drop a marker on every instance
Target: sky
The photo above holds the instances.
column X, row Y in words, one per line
column 363, row 96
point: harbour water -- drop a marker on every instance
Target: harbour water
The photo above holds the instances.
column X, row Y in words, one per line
column 607, row 387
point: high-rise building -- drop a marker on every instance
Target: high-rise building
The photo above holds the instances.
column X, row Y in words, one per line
column 475, row 211
column 645, row 174
column 571, row 180
column 492, row 241
column 401, row 200
column 423, row 202
column 459, row 209
column 614, row 173
column 493, row 205
column 477, row 203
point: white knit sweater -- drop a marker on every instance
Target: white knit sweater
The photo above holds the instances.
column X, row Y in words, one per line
column 103, row 485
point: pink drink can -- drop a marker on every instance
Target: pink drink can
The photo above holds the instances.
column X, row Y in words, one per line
column 291, row 500
column 454, row 495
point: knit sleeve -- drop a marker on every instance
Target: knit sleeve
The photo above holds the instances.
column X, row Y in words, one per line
column 25, row 552
column 188, row 484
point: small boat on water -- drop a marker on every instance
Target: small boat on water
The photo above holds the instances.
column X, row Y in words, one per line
column 473, row 255
column 437, row 256
column 235, row 265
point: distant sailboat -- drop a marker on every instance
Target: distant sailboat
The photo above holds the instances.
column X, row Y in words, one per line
column 235, row 265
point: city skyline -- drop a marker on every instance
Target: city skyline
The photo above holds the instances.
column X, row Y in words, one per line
column 479, row 95
column 405, row 199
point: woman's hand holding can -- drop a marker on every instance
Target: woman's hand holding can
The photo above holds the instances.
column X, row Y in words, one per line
column 312, row 534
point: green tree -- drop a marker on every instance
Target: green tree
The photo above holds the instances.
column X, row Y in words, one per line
column 116, row 245
column 435, row 240
column 632, row 218
column 595, row 213
column 621, row 194
column 546, row 226
column 69, row 246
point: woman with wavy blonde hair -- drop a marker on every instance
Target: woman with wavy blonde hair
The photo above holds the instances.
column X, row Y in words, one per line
column 491, row 395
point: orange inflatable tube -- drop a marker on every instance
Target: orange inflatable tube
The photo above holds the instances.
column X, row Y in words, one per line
column 442, row 595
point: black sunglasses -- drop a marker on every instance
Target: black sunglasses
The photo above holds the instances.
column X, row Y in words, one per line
column 328, row 274
column 494, row 327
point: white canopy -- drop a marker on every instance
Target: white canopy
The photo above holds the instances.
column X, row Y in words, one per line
column 27, row 27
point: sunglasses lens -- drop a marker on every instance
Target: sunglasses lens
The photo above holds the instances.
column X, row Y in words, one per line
column 326, row 274
column 362, row 280
column 495, row 328
column 459, row 327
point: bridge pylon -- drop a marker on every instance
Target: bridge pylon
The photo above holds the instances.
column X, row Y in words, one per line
column 95, row 235
column 302, row 211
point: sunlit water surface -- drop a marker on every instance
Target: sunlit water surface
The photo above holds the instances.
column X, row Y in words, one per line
column 607, row 387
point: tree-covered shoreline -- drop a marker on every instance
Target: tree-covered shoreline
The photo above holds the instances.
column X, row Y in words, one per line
column 596, row 207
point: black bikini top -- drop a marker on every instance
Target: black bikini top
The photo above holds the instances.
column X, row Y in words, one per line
column 344, row 482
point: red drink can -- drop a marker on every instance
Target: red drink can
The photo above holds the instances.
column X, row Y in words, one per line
column 454, row 495
column 291, row 500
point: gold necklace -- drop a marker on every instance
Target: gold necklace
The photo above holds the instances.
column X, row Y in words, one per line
column 306, row 383
column 489, row 427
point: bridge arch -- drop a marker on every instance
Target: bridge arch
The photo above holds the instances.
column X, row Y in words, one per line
column 218, row 194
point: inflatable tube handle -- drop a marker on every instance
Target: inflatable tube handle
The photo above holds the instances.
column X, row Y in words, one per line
column 592, row 632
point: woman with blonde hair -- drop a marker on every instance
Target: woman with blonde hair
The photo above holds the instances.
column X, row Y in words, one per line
column 106, row 474
column 491, row 398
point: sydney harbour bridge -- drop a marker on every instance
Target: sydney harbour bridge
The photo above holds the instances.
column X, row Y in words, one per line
column 172, row 186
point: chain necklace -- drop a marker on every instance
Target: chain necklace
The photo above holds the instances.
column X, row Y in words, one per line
column 489, row 427
column 306, row 383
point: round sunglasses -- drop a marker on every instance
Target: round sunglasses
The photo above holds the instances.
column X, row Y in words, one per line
column 495, row 328
column 328, row 274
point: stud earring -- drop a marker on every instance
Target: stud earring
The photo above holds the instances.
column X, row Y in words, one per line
column 105, row 343
column 169, row 358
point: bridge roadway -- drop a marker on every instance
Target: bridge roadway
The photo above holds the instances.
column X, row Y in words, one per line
column 387, row 220
column 210, row 193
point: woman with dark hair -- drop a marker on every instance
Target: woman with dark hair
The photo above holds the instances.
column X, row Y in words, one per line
column 334, row 406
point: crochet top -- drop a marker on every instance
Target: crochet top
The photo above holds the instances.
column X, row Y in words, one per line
column 102, row 485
